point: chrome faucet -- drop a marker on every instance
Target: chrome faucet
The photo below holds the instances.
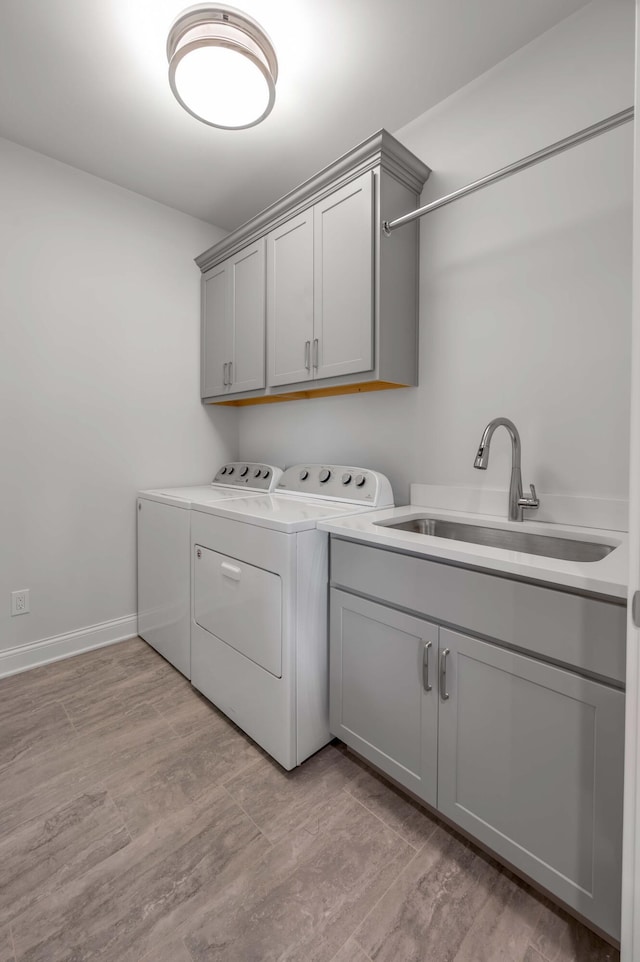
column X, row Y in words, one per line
column 516, row 501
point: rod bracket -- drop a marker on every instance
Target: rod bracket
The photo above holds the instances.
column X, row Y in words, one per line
column 386, row 229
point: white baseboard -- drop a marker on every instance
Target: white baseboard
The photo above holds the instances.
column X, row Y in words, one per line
column 46, row 650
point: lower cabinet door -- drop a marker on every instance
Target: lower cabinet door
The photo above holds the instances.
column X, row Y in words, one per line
column 531, row 764
column 383, row 689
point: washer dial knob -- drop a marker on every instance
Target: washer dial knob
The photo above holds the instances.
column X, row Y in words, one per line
column 257, row 472
column 324, row 475
column 360, row 480
column 230, row 469
column 304, row 474
column 346, row 478
column 224, row 470
column 244, row 472
column 266, row 473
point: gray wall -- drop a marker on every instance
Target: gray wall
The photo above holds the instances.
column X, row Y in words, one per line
column 525, row 288
column 99, row 392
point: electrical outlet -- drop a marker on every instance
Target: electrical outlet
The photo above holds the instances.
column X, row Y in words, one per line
column 20, row 602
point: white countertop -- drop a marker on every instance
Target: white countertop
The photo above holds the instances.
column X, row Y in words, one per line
column 608, row 576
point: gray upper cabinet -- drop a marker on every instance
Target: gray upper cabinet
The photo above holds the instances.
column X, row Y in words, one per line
column 344, row 246
column 341, row 299
column 217, row 337
column 233, row 324
column 290, row 301
column 320, row 289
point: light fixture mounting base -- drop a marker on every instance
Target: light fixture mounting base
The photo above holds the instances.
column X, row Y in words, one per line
column 201, row 14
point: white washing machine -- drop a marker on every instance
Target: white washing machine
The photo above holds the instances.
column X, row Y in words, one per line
column 259, row 647
column 164, row 553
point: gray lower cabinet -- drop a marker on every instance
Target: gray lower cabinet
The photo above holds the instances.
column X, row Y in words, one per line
column 523, row 755
column 531, row 763
column 384, row 700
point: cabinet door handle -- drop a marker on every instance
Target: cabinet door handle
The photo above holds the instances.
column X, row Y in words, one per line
column 231, row 571
column 230, row 372
column 444, row 694
column 635, row 609
column 224, row 374
column 307, row 355
column 425, row 667
column 315, row 353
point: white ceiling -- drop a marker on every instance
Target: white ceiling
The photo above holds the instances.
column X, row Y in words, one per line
column 85, row 82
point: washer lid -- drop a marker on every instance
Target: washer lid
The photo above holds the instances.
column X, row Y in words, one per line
column 280, row 513
column 189, row 495
column 233, row 480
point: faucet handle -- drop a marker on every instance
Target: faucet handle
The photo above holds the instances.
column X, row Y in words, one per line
column 530, row 502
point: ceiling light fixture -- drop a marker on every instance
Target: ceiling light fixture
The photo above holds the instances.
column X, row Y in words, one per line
column 222, row 67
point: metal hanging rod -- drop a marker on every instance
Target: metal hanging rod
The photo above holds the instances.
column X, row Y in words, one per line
column 578, row 138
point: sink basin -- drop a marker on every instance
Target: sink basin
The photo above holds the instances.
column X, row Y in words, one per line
column 549, row 546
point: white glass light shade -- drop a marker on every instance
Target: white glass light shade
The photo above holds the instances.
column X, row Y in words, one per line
column 222, row 67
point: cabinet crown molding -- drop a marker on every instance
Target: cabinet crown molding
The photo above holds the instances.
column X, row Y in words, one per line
column 380, row 150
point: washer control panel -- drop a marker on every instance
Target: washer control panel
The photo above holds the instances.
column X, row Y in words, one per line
column 336, row 482
column 246, row 474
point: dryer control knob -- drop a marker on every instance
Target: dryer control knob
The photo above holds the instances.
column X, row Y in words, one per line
column 266, row 473
column 304, row 475
column 257, row 472
column 230, row 469
column 324, row 475
column 360, row 480
column 224, row 470
column 244, row 472
column 346, row 478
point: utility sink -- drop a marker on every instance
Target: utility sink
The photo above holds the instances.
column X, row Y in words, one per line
column 548, row 546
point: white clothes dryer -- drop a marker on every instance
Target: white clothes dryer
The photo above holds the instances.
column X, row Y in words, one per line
column 259, row 643
column 164, row 553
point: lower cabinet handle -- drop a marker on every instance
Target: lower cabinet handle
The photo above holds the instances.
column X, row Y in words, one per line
column 224, row 373
column 315, row 353
column 444, row 694
column 425, row 667
column 230, row 372
column 635, row 609
column 307, row 355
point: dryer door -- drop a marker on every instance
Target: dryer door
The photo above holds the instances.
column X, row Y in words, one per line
column 241, row 605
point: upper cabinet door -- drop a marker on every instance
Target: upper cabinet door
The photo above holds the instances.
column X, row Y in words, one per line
column 216, row 330
column 248, row 296
column 343, row 296
column 290, row 301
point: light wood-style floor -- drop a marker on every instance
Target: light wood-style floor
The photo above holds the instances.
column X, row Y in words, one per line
column 137, row 824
